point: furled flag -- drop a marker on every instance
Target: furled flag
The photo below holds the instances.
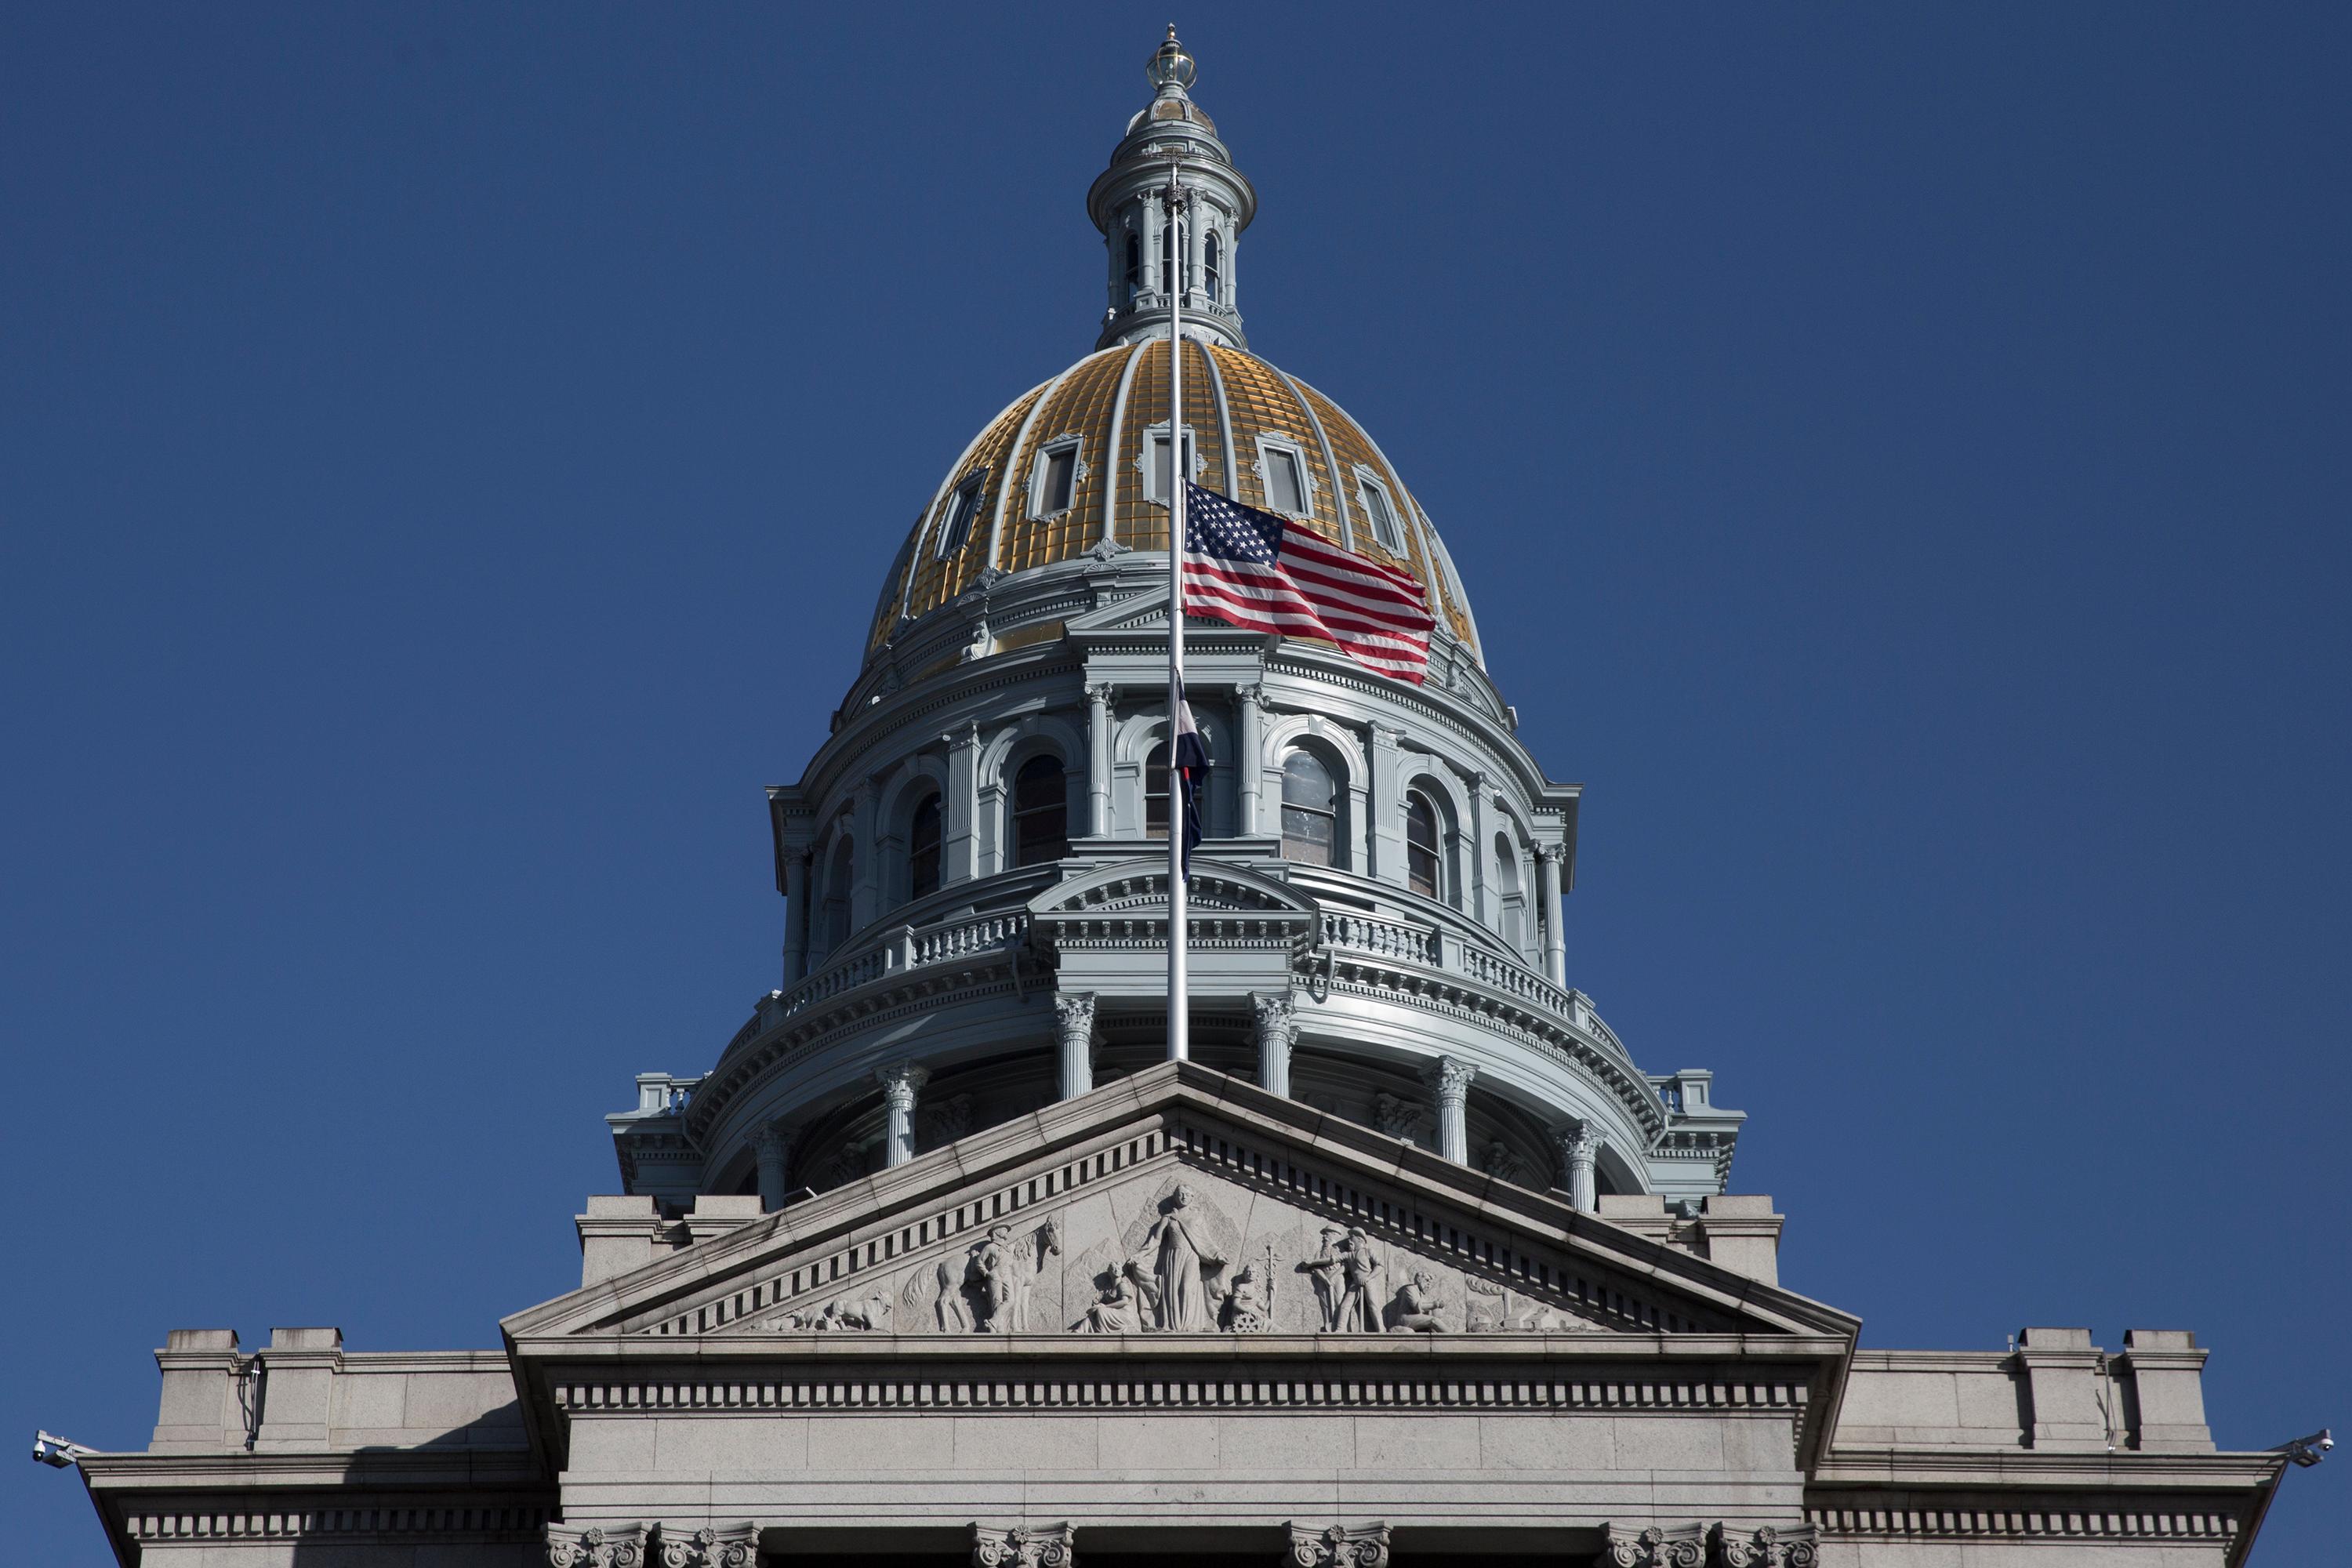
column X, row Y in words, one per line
column 1189, row 768
column 1256, row 570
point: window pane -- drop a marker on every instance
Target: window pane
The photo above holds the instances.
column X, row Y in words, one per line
column 1041, row 825
column 1061, row 469
column 1305, row 782
column 1421, row 861
column 1307, row 835
column 1283, row 490
column 1384, row 523
column 962, row 506
column 1155, row 793
column 923, row 849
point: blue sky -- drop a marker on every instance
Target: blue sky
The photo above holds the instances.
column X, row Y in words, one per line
column 1899, row 462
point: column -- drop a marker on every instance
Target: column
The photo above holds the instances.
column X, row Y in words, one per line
column 1250, row 703
column 1580, row 1147
column 1549, row 859
column 1278, row 1033
column 1451, row 1079
column 960, row 836
column 1154, row 238
column 772, row 1147
column 899, row 1083
column 1073, row 1016
column 800, row 879
column 1099, row 696
column 1481, row 904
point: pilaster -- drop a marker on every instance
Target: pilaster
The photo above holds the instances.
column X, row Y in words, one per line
column 1249, row 713
column 1385, row 841
column 1550, row 857
column 1098, row 700
column 960, row 834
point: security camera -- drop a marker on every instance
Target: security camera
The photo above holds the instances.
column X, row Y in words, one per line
column 2307, row 1451
column 51, row 1449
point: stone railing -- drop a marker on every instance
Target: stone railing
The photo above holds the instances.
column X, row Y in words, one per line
column 1403, row 942
column 888, row 953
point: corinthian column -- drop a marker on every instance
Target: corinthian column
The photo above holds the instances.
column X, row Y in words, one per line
column 1073, row 1016
column 772, row 1147
column 900, row 1082
column 1555, row 938
column 1277, row 1032
column 1451, row 1079
column 1578, row 1148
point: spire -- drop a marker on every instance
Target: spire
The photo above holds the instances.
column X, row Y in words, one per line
column 1124, row 203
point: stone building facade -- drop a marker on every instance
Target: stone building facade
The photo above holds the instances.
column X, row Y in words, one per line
column 941, row 1260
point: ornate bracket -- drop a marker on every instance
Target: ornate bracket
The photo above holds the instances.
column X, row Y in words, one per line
column 1366, row 1546
column 1022, row 1546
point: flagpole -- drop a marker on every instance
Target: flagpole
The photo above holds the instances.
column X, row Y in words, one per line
column 1178, row 1003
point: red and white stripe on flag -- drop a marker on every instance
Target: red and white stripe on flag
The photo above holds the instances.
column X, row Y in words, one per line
column 1376, row 615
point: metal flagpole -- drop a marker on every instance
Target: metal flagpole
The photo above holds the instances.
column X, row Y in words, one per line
column 1178, row 1005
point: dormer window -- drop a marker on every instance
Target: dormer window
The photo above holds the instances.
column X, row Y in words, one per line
column 1289, row 485
column 1374, row 495
column 1054, row 479
column 1155, row 463
column 962, row 507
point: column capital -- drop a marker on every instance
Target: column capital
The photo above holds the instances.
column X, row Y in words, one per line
column 1386, row 737
column 1101, row 690
column 900, row 1082
column 1555, row 853
column 1338, row 1546
column 963, row 739
column 598, row 1546
column 731, row 1546
column 1276, row 1014
column 1580, row 1144
column 1074, row 1011
column 1253, row 695
column 1450, row 1077
column 1670, row 1546
column 770, row 1139
column 1022, row 1546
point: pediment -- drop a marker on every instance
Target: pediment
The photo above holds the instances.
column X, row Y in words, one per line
column 1068, row 1221
column 1140, row 887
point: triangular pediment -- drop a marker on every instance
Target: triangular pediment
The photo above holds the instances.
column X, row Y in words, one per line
column 1069, row 1220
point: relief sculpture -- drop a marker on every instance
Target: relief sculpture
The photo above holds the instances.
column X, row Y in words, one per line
column 1346, row 1279
column 1182, row 1259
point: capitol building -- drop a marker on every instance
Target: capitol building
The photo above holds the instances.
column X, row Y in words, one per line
column 942, row 1259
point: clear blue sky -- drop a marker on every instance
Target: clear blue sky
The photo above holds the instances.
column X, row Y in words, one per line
column 447, row 456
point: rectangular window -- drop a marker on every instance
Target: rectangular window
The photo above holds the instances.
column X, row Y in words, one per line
column 1285, row 481
column 1375, row 497
column 1053, row 480
column 962, row 507
column 1061, row 474
column 1155, row 468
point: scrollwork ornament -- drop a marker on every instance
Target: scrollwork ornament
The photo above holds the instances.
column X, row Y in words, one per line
column 1685, row 1546
column 1770, row 1547
column 1020, row 1547
column 591, row 1548
column 1337, row 1546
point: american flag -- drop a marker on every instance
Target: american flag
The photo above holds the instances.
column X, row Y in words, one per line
column 1256, row 570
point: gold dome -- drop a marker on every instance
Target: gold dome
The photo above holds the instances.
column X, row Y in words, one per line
column 1237, row 408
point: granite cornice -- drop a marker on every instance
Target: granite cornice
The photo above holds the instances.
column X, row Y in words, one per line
column 2010, row 1467
column 354, row 1467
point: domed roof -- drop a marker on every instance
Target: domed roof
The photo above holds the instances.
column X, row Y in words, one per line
column 997, row 509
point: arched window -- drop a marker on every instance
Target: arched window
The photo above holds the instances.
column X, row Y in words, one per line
column 1134, row 267
column 1217, row 258
column 839, row 873
column 923, row 836
column 1041, row 812
column 1422, row 861
column 1507, row 882
column 1155, row 791
column 1310, row 811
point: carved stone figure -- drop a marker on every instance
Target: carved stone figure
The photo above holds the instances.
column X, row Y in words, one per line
column 1417, row 1306
column 1397, row 1117
column 1324, row 1269
column 952, row 1316
column 1360, row 1277
column 1000, row 1271
column 1123, row 1306
column 1180, row 1260
column 842, row 1313
column 1249, row 1307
